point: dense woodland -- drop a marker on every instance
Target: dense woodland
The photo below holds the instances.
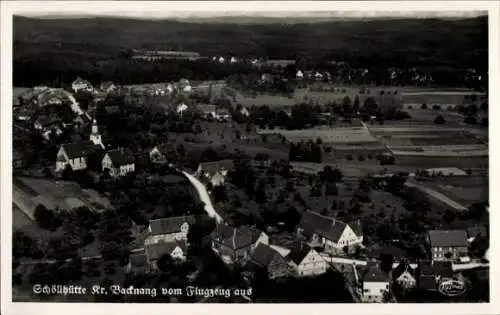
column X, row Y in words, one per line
column 56, row 51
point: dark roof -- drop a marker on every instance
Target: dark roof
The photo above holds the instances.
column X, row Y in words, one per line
column 164, row 148
column 427, row 283
column 46, row 120
column 443, row 268
column 212, row 167
column 169, row 225
column 156, row 250
column 477, row 230
column 263, row 255
column 235, row 238
column 448, row 238
column 374, row 274
column 356, row 227
column 298, row 253
column 437, row 268
column 327, row 227
column 121, row 157
column 80, row 149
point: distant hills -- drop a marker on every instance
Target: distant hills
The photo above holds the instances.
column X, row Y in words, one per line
column 446, row 41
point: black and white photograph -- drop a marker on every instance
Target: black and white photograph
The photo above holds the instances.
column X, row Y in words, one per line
column 164, row 154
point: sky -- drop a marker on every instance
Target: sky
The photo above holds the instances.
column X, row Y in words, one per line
column 282, row 14
column 272, row 9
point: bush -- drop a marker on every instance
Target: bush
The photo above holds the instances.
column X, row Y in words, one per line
column 424, row 106
column 361, row 158
column 439, row 120
column 349, row 157
column 436, row 107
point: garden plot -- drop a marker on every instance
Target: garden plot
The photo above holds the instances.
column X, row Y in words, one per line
column 346, row 135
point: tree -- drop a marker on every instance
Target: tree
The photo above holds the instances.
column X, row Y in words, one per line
column 424, row 106
column 45, row 218
column 470, row 120
column 370, row 105
column 165, row 263
column 439, row 120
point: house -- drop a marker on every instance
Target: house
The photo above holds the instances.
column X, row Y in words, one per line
column 222, row 60
column 331, row 234
column 305, row 261
column 159, row 153
column 405, row 276
column 217, row 179
column 43, row 123
column 222, row 114
column 447, row 244
column 375, row 284
column 235, row 245
column 268, row 259
column 119, row 162
column 430, row 274
column 108, row 86
column 176, row 250
column 209, row 169
column 318, row 76
column 181, row 108
column 138, row 264
column 81, row 85
column 299, row 75
column 169, row 229
column 75, row 155
column 244, row 111
column 233, row 60
column 476, row 231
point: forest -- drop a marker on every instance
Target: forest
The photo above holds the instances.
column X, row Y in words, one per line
column 54, row 50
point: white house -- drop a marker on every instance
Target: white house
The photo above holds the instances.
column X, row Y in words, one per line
column 375, row 284
column 244, row 111
column 119, row 162
column 318, row 76
column 81, row 85
column 159, row 153
column 222, row 60
column 332, row 234
column 75, row 155
column 217, row 179
column 305, row 261
column 233, row 60
column 169, row 229
column 154, row 252
column 299, row 75
column 181, row 108
column 404, row 276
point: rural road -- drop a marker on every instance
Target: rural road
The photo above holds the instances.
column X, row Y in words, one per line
column 204, row 196
column 437, row 195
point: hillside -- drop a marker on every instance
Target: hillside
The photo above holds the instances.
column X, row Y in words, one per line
column 430, row 41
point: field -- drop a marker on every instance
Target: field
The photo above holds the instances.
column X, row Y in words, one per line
column 30, row 192
column 443, row 98
column 465, row 191
column 224, row 136
column 342, row 135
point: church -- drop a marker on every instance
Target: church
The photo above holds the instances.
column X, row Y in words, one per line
column 76, row 154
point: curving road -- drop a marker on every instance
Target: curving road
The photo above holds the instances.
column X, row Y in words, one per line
column 204, row 196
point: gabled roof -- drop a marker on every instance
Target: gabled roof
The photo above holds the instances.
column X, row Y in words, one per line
column 157, row 250
column 212, row 167
column 80, row 81
column 235, row 238
column 164, row 148
column 263, row 255
column 121, row 157
column 427, row 283
column 80, row 149
column 448, row 238
column 326, row 227
column 401, row 268
column 298, row 253
column 169, row 225
column 477, row 230
column 374, row 274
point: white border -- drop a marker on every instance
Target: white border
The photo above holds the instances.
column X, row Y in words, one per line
column 109, row 7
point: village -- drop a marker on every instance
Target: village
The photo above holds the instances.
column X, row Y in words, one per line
column 273, row 218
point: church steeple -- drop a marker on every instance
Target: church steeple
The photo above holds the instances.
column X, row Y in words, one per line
column 95, row 136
